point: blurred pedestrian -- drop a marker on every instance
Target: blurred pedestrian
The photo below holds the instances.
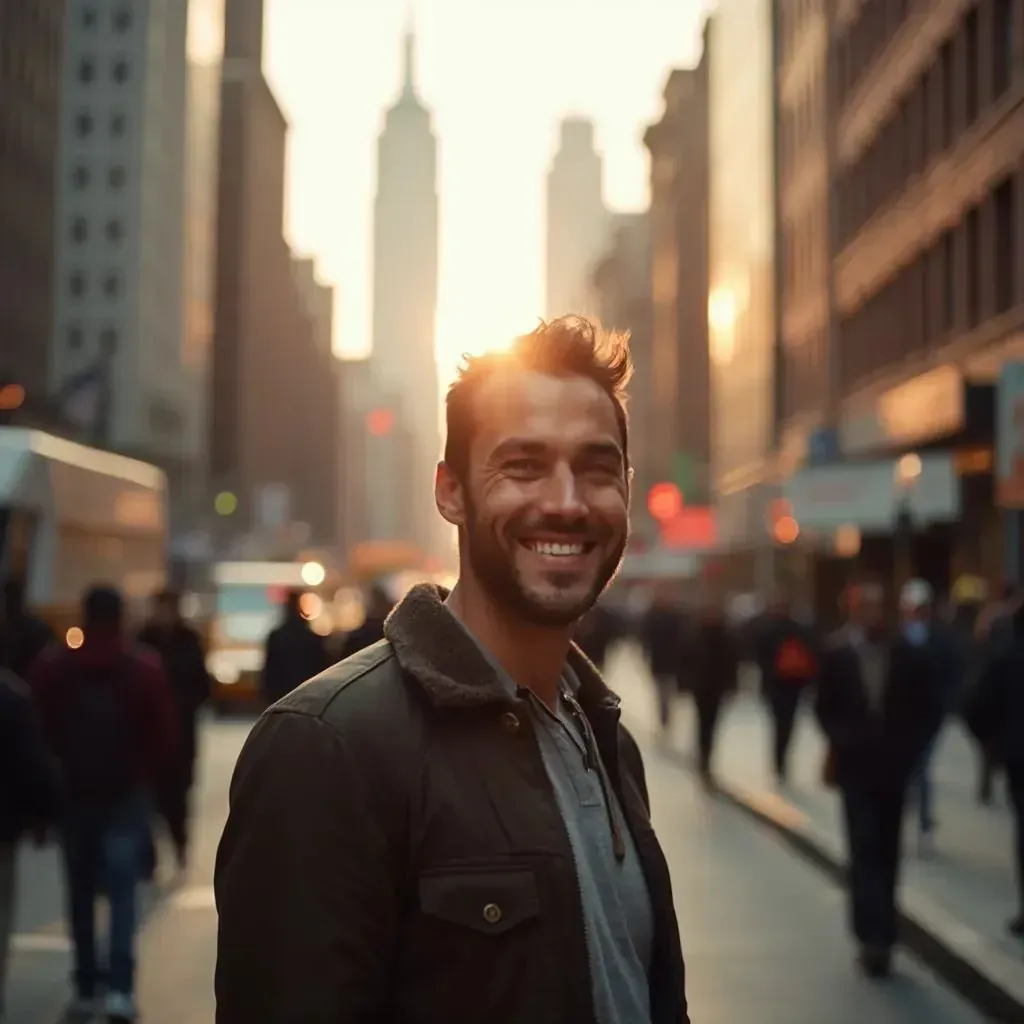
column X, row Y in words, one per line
column 878, row 706
column 29, row 794
column 786, row 653
column 23, row 637
column 293, row 652
column 455, row 827
column 109, row 715
column 994, row 712
column 924, row 629
column 371, row 630
column 596, row 632
column 184, row 661
column 712, row 664
column 662, row 633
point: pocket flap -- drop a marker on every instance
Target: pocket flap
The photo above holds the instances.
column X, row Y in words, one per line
column 491, row 902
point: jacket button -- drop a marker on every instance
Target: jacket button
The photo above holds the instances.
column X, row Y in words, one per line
column 510, row 723
column 492, row 913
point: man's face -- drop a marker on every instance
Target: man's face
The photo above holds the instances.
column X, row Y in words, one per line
column 543, row 515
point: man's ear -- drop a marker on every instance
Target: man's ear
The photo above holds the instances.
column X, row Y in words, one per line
column 449, row 495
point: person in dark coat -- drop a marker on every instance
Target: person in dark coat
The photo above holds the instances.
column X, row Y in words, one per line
column 29, row 793
column 181, row 653
column 787, row 656
column 371, row 629
column 294, row 653
column 879, row 707
column 23, row 637
column 712, row 665
column 596, row 632
column 994, row 712
column 662, row 636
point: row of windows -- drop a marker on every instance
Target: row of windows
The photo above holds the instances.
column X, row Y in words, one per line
column 107, row 338
column 121, row 17
column 81, row 177
column 802, row 124
column 793, row 18
column 940, row 106
column 876, row 23
column 79, row 232
column 85, row 124
column 805, row 246
column 78, row 284
column 969, row 274
column 120, row 70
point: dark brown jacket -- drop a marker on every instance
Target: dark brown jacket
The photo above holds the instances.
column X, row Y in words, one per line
column 394, row 853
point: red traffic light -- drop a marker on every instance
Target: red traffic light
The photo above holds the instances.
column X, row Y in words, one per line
column 664, row 502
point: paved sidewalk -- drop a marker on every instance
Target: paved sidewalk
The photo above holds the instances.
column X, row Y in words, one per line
column 956, row 901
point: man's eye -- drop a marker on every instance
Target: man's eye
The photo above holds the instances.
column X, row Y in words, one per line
column 523, row 465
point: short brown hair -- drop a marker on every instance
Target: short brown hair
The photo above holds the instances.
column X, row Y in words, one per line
column 570, row 346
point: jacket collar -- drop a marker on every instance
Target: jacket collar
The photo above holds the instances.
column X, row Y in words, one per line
column 436, row 651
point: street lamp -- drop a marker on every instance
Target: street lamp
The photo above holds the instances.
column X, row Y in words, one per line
column 906, row 475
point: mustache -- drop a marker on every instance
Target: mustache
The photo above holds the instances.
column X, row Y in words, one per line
column 574, row 527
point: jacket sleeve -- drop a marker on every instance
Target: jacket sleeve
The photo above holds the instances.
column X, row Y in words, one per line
column 31, row 761
column 307, row 882
column 160, row 714
column 829, row 706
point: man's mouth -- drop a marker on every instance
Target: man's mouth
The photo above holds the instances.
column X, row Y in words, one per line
column 558, row 549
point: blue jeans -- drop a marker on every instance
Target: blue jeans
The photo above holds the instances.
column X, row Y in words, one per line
column 103, row 853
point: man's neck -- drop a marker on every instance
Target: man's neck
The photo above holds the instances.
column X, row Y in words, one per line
column 533, row 656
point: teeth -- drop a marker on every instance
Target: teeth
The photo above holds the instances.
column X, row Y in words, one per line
column 557, row 550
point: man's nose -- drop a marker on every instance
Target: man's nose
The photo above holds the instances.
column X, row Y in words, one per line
column 561, row 495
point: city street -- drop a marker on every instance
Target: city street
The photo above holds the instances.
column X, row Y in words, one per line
column 763, row 931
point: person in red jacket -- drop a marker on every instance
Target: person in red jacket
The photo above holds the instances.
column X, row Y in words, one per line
column 108, row 713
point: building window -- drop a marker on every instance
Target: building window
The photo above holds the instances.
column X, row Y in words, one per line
column 948, row 279
column 1007, row 256
column 89, row 17
column 973, row 225
column 946, row 81
column 118, row 125
column 86, row 70
column 116, row 177
column 79, row 176
column 120, row 70
column 76, row 284
column 114, row 231
column 108, row 341
column 971, row 85
column 84, row 124
column 1002, row 46
column 122, row 19
column 112, row 286
column 75, row 338
column 79, row 230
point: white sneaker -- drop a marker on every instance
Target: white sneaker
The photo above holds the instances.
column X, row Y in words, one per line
column 119, row 1007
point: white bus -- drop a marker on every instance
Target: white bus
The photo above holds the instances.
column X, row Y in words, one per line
column 73, row 516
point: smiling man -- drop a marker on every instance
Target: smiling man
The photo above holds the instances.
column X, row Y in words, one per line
column 453, row 824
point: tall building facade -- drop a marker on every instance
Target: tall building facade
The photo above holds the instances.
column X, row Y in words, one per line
column 577, row 220
column 405, row 271
column 741, row 279
column 31, row 42
column 270, row 420
column 681, row 375
column 622, row 288
column 118, row 304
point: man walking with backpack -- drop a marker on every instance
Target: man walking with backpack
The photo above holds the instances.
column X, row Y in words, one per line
column 109, row 715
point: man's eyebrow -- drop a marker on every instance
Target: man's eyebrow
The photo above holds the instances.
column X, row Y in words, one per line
column 519, row 446
column 603, row 449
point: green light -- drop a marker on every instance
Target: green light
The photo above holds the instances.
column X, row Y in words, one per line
column 225, row 504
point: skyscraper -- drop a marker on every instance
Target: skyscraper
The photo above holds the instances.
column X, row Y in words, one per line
column 404, row 308
column 577, row 220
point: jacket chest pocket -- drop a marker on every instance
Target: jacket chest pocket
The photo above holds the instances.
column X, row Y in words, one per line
column 486, row 902
column 477, row 947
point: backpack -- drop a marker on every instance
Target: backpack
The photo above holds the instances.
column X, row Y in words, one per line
column 794, row 662
column 98, row 735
